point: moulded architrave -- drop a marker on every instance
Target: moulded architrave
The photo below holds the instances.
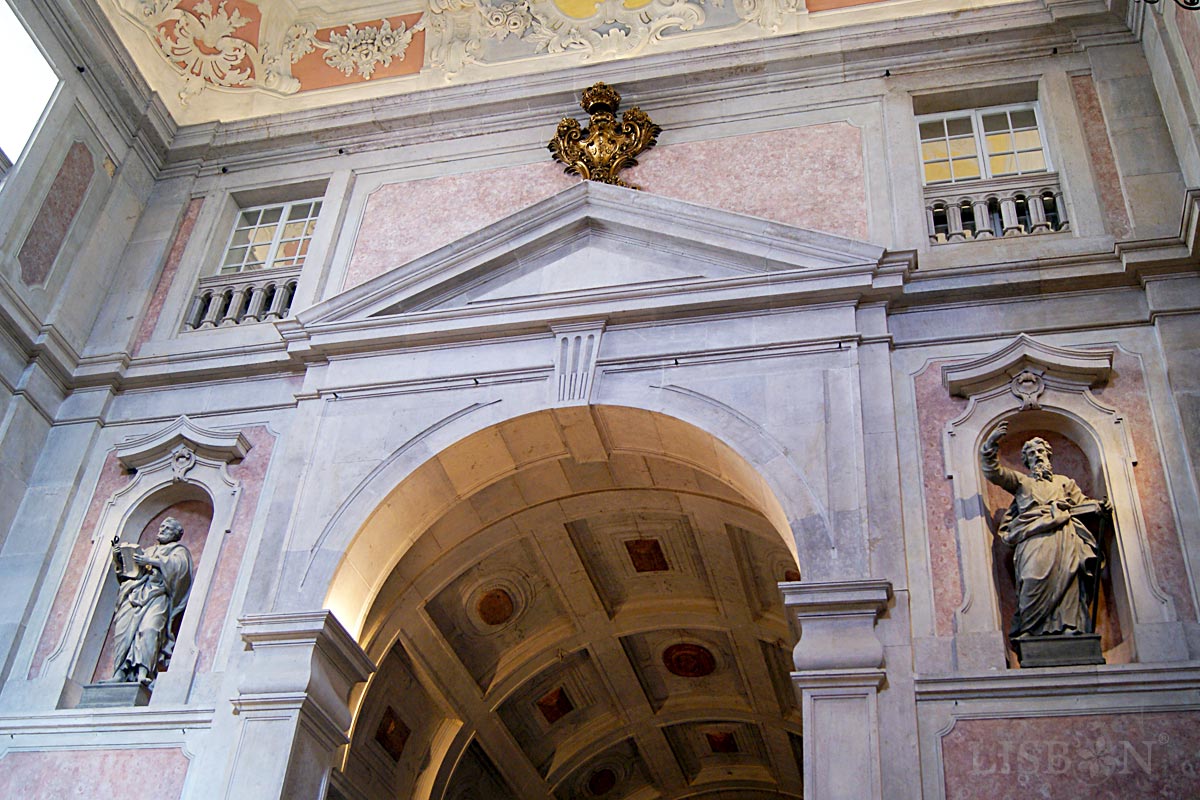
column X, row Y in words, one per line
column 169, row 469
column 995, row 394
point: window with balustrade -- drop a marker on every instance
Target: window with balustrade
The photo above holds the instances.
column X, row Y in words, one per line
column 987, row 174
column 260, row 266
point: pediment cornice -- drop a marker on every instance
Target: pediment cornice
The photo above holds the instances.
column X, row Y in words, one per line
column 718, row 259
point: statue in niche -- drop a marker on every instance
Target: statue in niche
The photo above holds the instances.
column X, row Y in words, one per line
column 1057, row 559
column 154, row 588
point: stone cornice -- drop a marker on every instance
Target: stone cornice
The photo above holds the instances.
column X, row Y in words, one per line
column 1052, row 681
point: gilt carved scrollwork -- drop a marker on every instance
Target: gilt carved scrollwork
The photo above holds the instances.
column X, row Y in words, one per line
column 604, row 147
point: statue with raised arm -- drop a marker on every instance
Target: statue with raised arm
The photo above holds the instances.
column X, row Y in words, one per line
column 153, row 592
column 1056, row 559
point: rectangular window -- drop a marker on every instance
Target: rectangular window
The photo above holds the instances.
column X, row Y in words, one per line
column 982, row 143
column 271, row 237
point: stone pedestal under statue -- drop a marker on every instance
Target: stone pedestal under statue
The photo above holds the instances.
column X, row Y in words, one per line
column 1059, row 651
column 114, row 695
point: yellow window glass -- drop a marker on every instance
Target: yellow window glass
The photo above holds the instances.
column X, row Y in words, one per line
column 937, row 171
column 966, row 168
column 1003, row 164
column 1032, row 161
column 999, row 142
column 932, row 151
column 1028, row 140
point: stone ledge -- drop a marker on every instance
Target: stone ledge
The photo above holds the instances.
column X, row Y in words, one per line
column 1060, row 681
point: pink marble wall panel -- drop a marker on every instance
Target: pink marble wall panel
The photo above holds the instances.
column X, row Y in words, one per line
column 406, row 220
column 935, row 408
column 1104, row 165
column 196, row 517
column 45, row 239
column 1132, row 755
column 251, row 472
column 811, row 177
column 1189, row 33
column 1126, row 391
column 167, row 276
column 112, row 478
column 157, row 772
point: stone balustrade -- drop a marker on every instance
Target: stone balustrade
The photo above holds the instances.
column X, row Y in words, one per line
column 1020, row 205
column 259, row 296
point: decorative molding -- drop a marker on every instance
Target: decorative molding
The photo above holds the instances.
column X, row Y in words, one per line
column 356, row 49
column 837, row 625
column 182, row 442
column 575, row 351
column 1026, row 363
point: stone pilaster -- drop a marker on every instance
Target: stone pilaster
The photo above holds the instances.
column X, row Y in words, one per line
column 293, row 703
column 839, row 669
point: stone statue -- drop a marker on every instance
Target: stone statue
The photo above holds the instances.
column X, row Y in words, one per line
column 154, row 587
column 1057, row 559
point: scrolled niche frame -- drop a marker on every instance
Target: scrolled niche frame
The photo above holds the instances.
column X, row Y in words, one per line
column 1036, row 385
column 180, row 462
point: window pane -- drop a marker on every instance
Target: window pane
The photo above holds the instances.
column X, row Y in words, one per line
column 259, row 252
column 1032, row 161
column 938, row 171
column 28, row 84
column 999, row 143
column 270, row 215
column 1024, row 119
column 933, row 130
column 249, row 219
column 1003, row 165
column 293, row 230
column 995, row 122
column 959, row 127
column 966, row 168
column 1028, row 140
column 262, row 234
column 235, row 255
column 931, row 151
column 299, row 211
column 962, row 147
column 287, row 249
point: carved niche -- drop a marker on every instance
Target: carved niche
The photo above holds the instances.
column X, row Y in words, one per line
column 179, row 465
column 1042, row 388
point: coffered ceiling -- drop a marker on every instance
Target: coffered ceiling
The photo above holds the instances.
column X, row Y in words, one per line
column 603, row 628
column 237, row 59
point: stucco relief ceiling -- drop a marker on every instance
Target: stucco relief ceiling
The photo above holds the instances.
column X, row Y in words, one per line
column 583, row 629
column 236, row 59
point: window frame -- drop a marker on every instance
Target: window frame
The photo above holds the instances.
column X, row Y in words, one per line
column 277, row 237
column 982, row 155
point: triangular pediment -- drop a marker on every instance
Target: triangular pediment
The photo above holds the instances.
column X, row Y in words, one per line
column 594, row 244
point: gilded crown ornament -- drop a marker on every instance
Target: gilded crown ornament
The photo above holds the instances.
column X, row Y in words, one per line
column 605, row 147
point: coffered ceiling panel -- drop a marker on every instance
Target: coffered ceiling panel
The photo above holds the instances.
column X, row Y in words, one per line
column 488, row 610
column 618, row 772
column 568, row 699
column 690, row 668
column 642, row 557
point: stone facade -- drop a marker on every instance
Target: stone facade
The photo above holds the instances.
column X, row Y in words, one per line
column 525, row 486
